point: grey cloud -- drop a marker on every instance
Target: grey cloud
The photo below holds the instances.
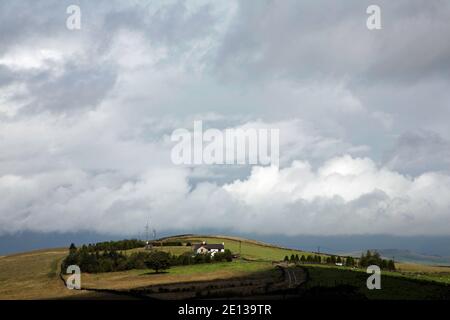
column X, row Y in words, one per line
column 328, row 39
column 79, row 87
column 172, row 25
column 6, row 76
column 399, row 74
column 418, row 152
column 84, row 84
column 354, row 90
column 74, row 87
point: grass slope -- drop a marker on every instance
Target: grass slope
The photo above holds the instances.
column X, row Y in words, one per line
column 33, row 275
column 249, row 249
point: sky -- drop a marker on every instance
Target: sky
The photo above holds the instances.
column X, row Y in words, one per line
column 86, row 116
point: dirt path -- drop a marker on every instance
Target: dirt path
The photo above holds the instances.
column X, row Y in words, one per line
column 293, row 276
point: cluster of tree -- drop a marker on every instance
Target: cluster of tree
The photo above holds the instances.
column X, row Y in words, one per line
column 334, row 260
column 311, row 259
column 112, row 260
column 292, row 259
column 374, row 258
column 303, row 259
column 93, row 261
column 126, row 244
column 370, row 258
column 189, row 258
column 348, row 261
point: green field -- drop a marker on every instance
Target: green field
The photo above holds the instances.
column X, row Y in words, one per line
column 178, row 250
column 248, row 249
column 394, row 285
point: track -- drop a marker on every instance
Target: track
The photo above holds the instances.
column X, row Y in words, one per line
column 293, row 276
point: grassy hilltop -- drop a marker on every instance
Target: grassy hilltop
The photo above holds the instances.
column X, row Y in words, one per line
column 36, row 275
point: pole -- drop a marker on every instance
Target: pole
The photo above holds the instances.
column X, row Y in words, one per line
column 240, row 249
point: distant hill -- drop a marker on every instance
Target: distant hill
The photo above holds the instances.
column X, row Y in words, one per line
column 402, row 255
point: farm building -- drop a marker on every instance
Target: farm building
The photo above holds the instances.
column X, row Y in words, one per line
column 203, row 248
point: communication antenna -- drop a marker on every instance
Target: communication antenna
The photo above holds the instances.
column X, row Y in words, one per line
column 146, row 232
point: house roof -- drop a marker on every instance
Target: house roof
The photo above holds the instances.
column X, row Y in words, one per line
column 209, row 246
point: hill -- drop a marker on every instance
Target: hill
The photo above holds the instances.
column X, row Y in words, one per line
column 408, row 256
column 35, row 275
column 414, row 257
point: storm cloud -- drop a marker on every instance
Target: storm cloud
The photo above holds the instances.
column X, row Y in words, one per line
column 86, row 116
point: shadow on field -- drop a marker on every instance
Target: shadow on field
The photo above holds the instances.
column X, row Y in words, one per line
column 153, row 273
column 283, row 283
column 263, row 283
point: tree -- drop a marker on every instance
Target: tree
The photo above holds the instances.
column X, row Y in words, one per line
column 286, row 259
column 362, row 260
column 88, row 262
column 297, row 259
column 374, row 258
column 228, row 255
column 292, row 258
column 72, row 248
column 349, row 262
column 391, row 265
column 71, row 259
column 158, row 261
column 303, row 259
column 339, row 260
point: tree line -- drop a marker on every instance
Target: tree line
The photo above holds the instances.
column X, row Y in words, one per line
column 374, row 258
column 370, row 258
column 109, row 260
column 129, row 244
column 308, row 259
column 126, row 244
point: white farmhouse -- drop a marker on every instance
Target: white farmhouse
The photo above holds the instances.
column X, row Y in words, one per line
column 203, row 248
